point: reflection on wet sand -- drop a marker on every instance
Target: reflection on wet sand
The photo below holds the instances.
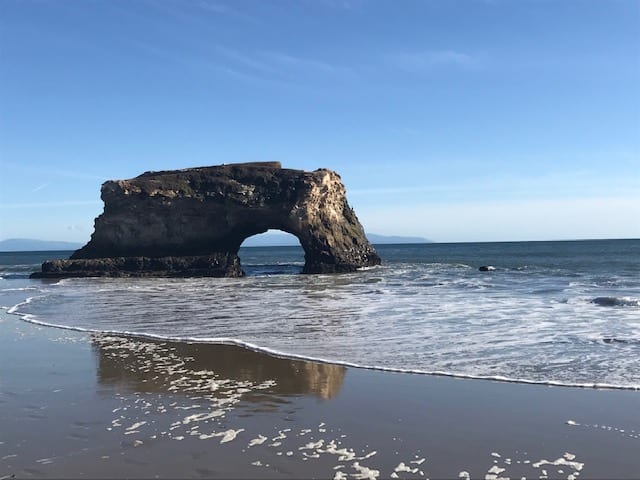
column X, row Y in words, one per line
column 148, row 366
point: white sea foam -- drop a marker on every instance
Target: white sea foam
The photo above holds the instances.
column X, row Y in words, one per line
column 531, row 325
column 281, row 354
column 20, row 289
column 257, row 441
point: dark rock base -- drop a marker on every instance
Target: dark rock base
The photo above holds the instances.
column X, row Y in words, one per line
column 214, row 265
column 367, row 258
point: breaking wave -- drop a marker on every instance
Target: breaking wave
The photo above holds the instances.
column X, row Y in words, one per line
column 280, row 354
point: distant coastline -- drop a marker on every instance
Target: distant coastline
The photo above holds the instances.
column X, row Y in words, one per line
column 286, row 240
column 276, row 240
column 268, row 240
column 33, row 245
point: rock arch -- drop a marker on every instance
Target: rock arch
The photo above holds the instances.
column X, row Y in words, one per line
column 193, row 221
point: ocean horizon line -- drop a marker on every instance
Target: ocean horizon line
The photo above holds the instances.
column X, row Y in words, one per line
column 426, row 242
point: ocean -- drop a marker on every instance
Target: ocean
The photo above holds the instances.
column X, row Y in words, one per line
column 557, row 313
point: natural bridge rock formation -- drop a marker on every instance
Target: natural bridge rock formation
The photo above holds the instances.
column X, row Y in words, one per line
column 192, row 222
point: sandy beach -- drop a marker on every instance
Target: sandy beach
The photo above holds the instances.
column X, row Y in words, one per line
column 98, row 406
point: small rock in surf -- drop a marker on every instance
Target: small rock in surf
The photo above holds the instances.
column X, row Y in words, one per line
column 487, row 268
column 616, row 302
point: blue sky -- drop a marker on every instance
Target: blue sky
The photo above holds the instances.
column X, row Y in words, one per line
column 455, row 121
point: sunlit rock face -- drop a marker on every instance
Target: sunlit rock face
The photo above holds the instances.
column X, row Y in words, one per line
column 193, row 221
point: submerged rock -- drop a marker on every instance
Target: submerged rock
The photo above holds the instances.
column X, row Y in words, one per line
column 487, row 268
column 616, row 302
column 192, row 222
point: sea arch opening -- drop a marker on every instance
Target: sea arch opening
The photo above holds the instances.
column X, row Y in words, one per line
column 274, row 252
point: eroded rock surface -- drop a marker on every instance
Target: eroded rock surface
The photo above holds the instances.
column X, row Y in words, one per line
column 192, row 222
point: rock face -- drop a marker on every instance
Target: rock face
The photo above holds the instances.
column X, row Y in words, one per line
column 192, row 222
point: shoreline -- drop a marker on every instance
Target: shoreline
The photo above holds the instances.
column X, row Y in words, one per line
column 84, row 405
column 292, row 356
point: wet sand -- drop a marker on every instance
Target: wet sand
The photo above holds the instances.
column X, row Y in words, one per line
column 98, row 406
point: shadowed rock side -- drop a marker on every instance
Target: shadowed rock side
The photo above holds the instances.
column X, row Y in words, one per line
column 192, row 222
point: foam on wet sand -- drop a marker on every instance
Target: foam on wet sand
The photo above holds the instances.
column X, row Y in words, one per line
column 139, row 407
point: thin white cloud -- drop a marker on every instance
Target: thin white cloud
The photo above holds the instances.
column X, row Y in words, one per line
column 259, row 67
column 224, row 61
column 215, row 7
column 49, row 172
column 238, row 74
column 572, row 184
column 423, row 61
column 334, row 4
column 244, row 60
column 223, row 8
column 534, row 219
column 72, row 203
column 40, row 187
column 196, row 12
column 277, row 67
column 281, row 64
column 304, row 64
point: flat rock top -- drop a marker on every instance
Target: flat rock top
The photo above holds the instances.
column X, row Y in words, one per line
column 191, row 181
column 224, row 169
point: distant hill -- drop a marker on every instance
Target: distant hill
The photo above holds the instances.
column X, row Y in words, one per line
column 268, row 240
column 285, row 240
column 375, row 238
column 31, row 245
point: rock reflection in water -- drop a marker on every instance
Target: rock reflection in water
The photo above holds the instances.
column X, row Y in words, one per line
column 151, row 366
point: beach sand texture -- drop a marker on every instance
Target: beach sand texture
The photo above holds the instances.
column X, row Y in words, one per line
column 74, row 405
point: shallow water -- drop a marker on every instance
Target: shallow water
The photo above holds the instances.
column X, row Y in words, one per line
column 552, row 312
